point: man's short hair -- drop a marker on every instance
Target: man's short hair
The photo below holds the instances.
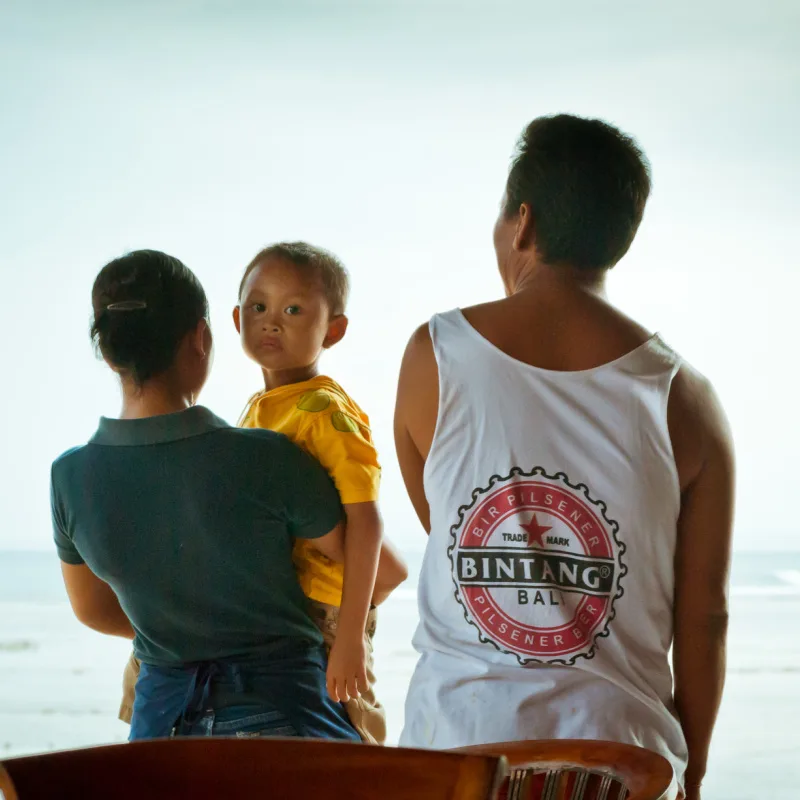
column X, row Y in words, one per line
column 586, row 183
column 315, row 260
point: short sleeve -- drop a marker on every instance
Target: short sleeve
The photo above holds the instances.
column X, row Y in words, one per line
column 343, row 445
column 311, row 500
column 65, row 547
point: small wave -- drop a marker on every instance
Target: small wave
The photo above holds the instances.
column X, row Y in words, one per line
column 18, row 646
column 72, row 712
column 787, row 670
column 405, row 594
column 766, row 591
column 790, row 576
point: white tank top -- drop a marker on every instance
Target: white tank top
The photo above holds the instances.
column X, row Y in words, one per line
column 546, row 591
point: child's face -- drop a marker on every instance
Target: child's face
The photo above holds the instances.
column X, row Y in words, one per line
column 283, row 317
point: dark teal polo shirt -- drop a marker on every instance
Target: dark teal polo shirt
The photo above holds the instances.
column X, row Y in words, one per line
column 192, row 522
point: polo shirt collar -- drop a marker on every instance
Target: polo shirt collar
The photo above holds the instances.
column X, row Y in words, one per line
column 193, row 421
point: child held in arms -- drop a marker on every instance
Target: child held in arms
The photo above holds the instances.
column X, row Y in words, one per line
column 292, row 301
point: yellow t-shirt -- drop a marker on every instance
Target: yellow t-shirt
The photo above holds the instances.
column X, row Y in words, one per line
column 319, row 416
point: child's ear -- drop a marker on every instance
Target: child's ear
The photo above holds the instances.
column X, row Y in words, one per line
column 337, row 328
column 237, row 319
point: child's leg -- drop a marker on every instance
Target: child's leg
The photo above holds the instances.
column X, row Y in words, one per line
column 365, row 712
column 129, row 678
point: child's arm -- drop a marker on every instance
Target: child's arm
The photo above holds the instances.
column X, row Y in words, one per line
column 347, row 664
column 392, row 571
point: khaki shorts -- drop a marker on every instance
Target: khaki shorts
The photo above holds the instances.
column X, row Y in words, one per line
column 129, row 678
column 365, row 712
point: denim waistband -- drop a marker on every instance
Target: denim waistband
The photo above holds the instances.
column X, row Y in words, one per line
column 169, row 700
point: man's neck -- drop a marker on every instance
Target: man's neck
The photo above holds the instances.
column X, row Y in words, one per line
column 273, row 379
column 562, row 281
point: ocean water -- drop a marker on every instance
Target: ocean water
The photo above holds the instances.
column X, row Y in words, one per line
column 60, row 682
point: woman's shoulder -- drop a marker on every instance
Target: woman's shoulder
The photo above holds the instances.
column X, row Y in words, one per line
column 259, row 450
column 69, row 459
column 256, row 438
column 67, row 454
column 261, row 443
column 70, row 472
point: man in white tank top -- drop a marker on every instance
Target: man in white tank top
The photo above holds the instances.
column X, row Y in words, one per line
column 576, row 480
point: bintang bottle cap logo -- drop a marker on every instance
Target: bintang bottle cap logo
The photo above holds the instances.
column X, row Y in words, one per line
column 537, row 566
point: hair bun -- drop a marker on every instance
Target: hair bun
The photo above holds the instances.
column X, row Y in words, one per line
column 144, row 305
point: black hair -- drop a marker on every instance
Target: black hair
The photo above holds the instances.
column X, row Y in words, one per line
column 332, row 273
column 145, row 303
column 586, row 183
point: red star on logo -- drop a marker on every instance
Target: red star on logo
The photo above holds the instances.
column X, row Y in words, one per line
column 536, row 532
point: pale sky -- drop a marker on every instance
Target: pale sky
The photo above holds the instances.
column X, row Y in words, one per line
column 383, row 131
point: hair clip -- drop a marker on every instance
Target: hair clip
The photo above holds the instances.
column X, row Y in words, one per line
column 127, row 305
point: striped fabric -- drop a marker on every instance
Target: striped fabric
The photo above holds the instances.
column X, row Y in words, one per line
column 561, row 784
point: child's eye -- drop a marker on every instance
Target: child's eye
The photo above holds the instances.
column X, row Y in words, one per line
column 292, row 310
column 259, row 308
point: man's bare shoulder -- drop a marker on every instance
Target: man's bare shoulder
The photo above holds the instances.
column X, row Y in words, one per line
column 419, row 354
column 421, row 338
column 697, row 423
column 694, row 398
column 418, row 391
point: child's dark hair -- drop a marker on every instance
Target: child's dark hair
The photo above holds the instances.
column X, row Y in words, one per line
column 587, row 184
column 331, row 271
column 144, row 305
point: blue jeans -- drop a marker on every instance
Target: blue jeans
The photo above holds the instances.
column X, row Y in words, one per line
column 282, row 694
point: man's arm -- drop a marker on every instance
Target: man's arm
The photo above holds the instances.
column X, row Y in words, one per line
column 701, row 582
column 415, row 415
column 94, row 602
